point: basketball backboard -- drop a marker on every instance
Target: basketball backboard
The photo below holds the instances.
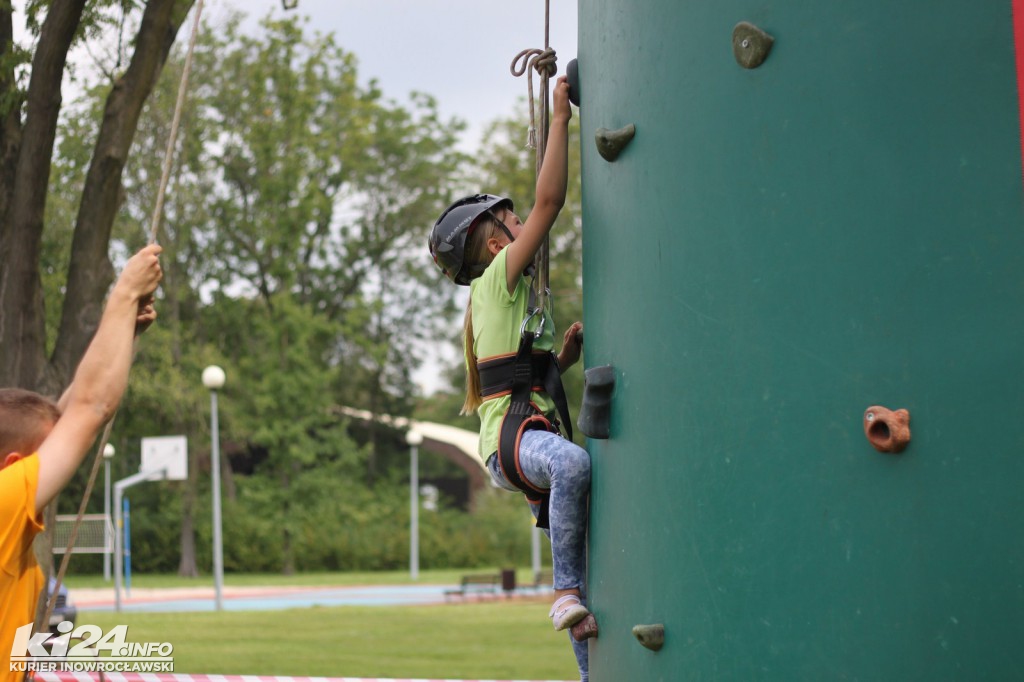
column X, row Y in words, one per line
column 168, row 454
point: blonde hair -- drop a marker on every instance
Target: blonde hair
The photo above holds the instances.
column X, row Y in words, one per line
column 476, row 254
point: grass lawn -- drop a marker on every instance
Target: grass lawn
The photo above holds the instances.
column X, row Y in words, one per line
column 489, row 640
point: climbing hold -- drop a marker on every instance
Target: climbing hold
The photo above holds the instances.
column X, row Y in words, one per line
column 572, row 73
column 887, row 430
column 650, row 636
column 750, row 45
column 585, row 629
column 611, row 142
column 595, row 413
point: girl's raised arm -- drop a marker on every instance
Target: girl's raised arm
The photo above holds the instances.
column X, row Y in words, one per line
column 551, row 186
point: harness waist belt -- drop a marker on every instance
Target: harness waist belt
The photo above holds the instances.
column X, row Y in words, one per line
column 497, row 374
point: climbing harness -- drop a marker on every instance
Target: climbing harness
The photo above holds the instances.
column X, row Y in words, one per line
column 154, row 232
column 519, row 375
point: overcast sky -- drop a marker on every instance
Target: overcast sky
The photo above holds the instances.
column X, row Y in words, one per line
column 459, row 51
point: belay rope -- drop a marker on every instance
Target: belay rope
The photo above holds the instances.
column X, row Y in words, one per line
column 154, row 232
column 543, row 62
column 526, row 371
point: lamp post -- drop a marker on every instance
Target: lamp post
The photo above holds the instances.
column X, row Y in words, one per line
column 108, row 454
column 213, row 379
column 414, row 438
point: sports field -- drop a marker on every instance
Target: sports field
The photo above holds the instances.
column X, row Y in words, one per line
column 478, row 640
column 487, row 638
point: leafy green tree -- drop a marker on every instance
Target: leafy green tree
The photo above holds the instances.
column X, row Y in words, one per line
column 324, row 193
column 293, row 241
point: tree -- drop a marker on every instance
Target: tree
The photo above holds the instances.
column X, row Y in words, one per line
column 293, row 242
column 30, row 116
column 324, row 194
column 29, row 119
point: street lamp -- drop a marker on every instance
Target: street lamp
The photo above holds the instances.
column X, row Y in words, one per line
column 213, row 379
column 108, row 454
column 414, row 438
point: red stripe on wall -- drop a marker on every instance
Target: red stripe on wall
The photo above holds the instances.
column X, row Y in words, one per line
column 1018, row 39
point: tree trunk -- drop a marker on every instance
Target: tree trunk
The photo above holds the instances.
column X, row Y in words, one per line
column 10, row 127
column 227, row 478
column 22, row 323
column 287, row 547
column 90, row 271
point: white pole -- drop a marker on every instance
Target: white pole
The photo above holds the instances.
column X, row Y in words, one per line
column 414, row 438
column 119, row 489
column 108, row 454
column 414, row 510
column 218, row 544
column 106, row 515
column 118, row 548
column 213, row 379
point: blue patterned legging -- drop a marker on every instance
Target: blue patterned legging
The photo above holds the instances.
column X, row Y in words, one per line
column 550, row 461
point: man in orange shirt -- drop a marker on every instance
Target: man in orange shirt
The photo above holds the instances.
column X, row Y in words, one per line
column 42, row 444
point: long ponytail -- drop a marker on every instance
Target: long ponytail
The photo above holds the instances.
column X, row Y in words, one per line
column 478, row 255
column 473, row 398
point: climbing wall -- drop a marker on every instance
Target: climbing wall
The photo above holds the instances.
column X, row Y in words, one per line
column 778, row 249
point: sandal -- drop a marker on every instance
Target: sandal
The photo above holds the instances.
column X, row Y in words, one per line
column 567, row 611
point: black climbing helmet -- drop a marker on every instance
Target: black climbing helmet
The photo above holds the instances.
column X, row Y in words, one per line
column 448, row 237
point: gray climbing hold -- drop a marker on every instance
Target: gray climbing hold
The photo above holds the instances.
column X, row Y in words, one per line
column 750, row 45
column 610, row 143
column 595, row 414
column 651, row 636
column 572, row 73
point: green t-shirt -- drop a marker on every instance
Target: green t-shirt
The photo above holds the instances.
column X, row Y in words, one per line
column 497, row 317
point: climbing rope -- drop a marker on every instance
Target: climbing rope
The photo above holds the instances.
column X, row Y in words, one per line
column 543, row 62
column 158, row 210
column 154, row 232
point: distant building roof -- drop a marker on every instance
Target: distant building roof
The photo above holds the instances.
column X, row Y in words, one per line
column 467, row 442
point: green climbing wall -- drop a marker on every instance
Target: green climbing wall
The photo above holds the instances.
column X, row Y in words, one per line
column 778, row 249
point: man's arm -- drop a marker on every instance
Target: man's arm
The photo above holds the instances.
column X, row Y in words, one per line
column 146, row 316
column 101, row 377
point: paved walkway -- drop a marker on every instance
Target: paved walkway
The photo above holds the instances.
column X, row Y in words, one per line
column 271, row 598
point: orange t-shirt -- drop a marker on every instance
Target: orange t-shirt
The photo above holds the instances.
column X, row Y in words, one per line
column 20, row 577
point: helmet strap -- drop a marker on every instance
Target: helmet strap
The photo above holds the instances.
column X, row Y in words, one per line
column 503, row 226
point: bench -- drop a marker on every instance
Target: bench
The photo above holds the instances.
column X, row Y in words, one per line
column 478, row 583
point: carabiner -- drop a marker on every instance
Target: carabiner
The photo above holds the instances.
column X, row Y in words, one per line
column 540, row 327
